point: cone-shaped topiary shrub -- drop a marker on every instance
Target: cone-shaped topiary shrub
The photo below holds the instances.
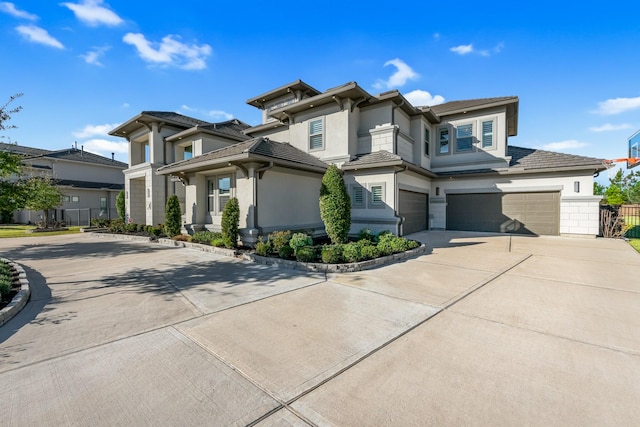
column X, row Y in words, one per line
column 335, row 205
column 173, row 216
column 230, row 221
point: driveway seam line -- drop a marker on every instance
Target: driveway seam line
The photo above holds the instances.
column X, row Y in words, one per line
column 550, row 334
column 585, row 285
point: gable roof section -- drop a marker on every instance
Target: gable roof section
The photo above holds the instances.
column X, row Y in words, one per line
column 531, row 160
column 75, row 155
column 22, row 150
column 296, row 86
column 383, row 158
column 230, row 129
column 145, row 117
column 257, row 149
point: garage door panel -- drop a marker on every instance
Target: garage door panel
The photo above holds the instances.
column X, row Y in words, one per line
column 522, row 213
column 414, row 208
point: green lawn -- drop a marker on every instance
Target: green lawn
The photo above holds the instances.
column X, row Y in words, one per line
column 21, row 231
column 635, row 243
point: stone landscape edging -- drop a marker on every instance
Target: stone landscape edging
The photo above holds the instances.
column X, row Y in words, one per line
column 21, row 298
column 297, row 265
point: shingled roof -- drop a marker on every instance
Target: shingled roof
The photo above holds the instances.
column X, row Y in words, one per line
column 253, row 149
column 89, row 184
column 22, row 150
column 370, row 159
column 532, row 160
column 175, row 117
column 73, row 154
column 471, row 104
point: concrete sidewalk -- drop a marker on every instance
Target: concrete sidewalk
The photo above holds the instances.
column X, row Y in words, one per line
column 483, row 329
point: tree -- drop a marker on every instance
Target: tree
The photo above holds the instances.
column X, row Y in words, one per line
column 43, row 195
column 120, row 205
column 335, row 205
column 623, row 188
column 173, row 216
column 12, row 194
column 229, row 223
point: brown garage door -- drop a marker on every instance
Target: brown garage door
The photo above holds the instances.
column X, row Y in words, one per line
column 414, row 208
column 522, row 213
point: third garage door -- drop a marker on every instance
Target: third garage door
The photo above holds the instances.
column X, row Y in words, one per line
column 522, row 213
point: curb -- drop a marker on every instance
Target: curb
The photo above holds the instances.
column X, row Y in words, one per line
column 21, row 298
column 277, row 262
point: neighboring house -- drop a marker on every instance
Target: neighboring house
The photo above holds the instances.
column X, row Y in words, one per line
column 407, row 168
column 89, row 183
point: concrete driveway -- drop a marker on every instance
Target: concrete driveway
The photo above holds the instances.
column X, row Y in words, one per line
column 482, row 329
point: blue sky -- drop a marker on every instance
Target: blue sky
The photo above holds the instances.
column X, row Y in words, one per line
column 84, row 66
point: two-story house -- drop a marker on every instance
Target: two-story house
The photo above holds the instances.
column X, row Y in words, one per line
column 89, row 182
column 407, row 168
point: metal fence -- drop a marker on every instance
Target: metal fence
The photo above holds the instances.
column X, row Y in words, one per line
column 83, row 217
column 614, row 220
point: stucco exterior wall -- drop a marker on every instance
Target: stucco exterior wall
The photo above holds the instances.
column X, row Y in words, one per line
column 289, row 200
column 375, row 218
column 479, row 157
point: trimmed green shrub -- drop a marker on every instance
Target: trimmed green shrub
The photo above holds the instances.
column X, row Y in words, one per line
column 173, row 216
column 286, row 252
column 5, row 286
column 306, row 254
column 219, row 242
column 299, row 240
column 263, row 248
column 369, row 252
column 100, row 222
column 157, row 231
column 205, row 237
column 331, row 254
column 335, row 205
column 229, row 223
column 120, row 205
column 366, row 234
column 279, row 238
column 116, row 226
column 389, row 244
column 131, row 228
column 140, row 228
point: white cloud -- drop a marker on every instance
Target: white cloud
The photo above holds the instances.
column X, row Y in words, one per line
column 423, row 98
column 170, row 52
column 617, row 105
column 92, row 13
column 126, row 105
column 105, row 147
column 220, row 115
column 563, row 145
column 93, row 56
column 436, row 36
column 403, row 74
column 608, row 127
column 463, row 49
column 38, row 35
column 10, row 9
column 95, row 130
column 187, row 108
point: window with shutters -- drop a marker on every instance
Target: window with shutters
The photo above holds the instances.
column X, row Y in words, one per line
column 316, row 134
column 358, row 197
column 487, row 134
column 376, row 196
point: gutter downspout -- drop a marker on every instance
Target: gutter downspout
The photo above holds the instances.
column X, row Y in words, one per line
column 397, row 197
column 257, row 175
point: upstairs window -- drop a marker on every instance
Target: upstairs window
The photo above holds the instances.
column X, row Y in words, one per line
column 188, row 152
column 316, row 135
column 464, row 137
column 443, row 140
column 427, row 140
column 487, row 134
